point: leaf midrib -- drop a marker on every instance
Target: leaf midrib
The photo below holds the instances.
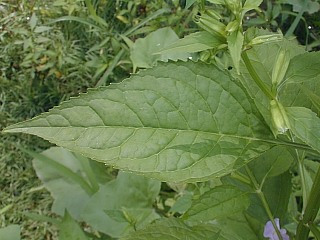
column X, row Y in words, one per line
column 154, row 128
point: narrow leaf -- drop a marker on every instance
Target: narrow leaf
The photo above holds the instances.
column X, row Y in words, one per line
column 235, row 42
column 194, row 42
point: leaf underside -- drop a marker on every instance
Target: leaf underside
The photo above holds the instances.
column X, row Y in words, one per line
column 181, row 121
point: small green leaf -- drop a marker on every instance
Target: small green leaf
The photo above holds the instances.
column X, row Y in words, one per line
column 182, row 204
column 305, row 125
column 144, row 50
column 250, row 5
column 11, row 232
column 194, row 42
column 235, row 42
column 189, row 3
column 55, row 168
column 220, row 202
column 41, row 29
column 33, row 21
column 70, row 229
column 173, row 229
column 122, row 205
column 175, row 122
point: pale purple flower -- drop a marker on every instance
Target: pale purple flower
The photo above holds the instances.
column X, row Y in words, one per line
column 270, row 232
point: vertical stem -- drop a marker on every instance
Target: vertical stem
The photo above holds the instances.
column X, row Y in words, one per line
column 311, row 211
column 256, row 77
column 296, row 20
column 301, row 169
column 263, row 201
column 314, row 229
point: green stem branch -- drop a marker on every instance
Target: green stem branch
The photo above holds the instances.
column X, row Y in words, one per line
column 311, row 210
column 256, row 77
column 263, row 200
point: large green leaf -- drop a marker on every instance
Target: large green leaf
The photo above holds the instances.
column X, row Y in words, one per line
column 122, row 205
column 175, row 122
column 145, row 51
column 219, row 202
column 173, row 229
column 305, row 125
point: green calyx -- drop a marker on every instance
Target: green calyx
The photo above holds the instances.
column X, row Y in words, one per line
column 279, row 117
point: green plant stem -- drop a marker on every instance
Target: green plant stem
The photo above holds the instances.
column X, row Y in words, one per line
column 303, row 183
column 301, row 169
column 315, row 230
column 104, row 78
column 263, row 200
column 296, row 20
column 256, row 77
column 311, row 211
column 146, row 20
column 241, row 177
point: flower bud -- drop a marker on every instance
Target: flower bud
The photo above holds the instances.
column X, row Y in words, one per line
column 232, row 26
column 211, row 25
column 279, row 117
column 213, row 14
column 280, row 67
column 266, row 39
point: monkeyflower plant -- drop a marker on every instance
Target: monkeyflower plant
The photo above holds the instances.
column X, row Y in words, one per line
column 244, row 117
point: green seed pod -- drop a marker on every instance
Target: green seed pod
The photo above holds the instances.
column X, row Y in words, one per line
column 204, row 56
column 279, row 117
column 211, row 25
column 234, row 5
column 266, row 39
column 232, row 26
column 213, row 14
column 280, row 67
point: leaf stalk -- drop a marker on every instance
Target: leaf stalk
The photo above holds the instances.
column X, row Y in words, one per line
column 256, row 77
column 263, row 200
